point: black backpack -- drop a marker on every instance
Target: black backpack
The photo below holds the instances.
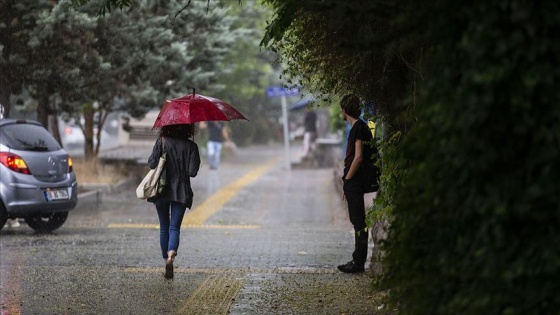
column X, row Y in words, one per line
column 370, row 170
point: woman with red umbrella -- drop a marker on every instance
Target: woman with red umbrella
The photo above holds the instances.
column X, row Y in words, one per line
column 176, row 119
column 182, row 163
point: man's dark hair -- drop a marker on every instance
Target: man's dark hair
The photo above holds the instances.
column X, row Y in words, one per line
column 182, row 131
column 351, row 105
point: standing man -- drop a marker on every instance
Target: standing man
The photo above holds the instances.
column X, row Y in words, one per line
column 217, row 133
column 356, row 150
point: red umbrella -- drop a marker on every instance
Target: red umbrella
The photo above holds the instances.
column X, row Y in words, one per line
column 194, row 108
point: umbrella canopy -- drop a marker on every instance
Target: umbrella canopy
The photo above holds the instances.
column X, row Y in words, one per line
column 194, row 108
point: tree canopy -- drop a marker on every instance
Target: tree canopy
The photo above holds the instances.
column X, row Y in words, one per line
column 77, row 63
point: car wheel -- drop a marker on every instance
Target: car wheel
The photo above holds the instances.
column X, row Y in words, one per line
column 48, row 222
column 3, row 215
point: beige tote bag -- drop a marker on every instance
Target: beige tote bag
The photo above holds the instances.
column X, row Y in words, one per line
column 149, row 185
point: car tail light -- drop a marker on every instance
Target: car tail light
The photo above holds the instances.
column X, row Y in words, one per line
column 14, row 162
column 70, row 164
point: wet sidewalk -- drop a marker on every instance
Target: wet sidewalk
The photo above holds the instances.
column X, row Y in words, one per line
column 289, row 231
column 259, row 239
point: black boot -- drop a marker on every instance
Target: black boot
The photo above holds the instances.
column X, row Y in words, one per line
column 351, row 267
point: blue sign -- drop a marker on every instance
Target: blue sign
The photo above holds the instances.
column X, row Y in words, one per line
column 276, row 91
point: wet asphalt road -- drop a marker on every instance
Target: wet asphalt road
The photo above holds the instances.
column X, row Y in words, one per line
column 260, row 239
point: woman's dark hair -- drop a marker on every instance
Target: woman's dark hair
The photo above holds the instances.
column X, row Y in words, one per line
column 182, row 131
column 351, row 105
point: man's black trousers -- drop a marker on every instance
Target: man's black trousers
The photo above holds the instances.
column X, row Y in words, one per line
column 357, row 214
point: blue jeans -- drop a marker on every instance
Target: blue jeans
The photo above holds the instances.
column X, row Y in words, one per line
column 170, row 215
column 214, row 152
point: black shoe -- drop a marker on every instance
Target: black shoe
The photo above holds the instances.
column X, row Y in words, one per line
column 168, row 271
column 169, row 265
column 351, row 267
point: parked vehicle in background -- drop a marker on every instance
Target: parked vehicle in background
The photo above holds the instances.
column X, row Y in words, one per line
column 73, row 140
column 37, row 182
column 71, row 136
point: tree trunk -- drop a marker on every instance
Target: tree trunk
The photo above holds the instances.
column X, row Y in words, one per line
column 43, row 109
column 53, row 123
column 103, row 114
column 88, row 132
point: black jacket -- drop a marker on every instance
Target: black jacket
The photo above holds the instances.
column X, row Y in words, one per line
column 183, row 162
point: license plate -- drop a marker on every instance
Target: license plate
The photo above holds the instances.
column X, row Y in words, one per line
column 56, row 194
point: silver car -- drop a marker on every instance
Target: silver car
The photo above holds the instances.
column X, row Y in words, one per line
column 37, row 182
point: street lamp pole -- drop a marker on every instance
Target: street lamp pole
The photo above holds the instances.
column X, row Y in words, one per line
column 283, row 92
column 286, row 134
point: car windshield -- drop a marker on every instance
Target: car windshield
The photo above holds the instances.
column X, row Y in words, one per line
column 28, row 137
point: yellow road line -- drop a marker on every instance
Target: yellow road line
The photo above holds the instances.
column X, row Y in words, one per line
column 191, row 226
column 213, row 296
column 132, row 226
column 215, row 202
column 220, row 226
column 197, row 217
column 237, row 271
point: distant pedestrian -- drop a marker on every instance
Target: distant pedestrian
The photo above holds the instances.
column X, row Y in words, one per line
column 217, row 134
column 182, row 163
column 353, row 181
column 310, row 132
